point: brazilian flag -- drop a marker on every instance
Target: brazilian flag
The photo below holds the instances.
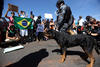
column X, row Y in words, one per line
column 22, row 23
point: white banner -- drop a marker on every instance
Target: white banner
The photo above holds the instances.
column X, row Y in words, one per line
column 48, row 16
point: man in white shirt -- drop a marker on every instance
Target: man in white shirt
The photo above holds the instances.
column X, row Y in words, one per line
column 23, row 32
column 80, row 21
column 80, row 27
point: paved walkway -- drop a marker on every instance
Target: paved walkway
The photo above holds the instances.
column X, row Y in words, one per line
column 44, row 54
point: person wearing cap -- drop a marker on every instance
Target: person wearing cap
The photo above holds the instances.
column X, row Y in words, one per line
column 64, row 17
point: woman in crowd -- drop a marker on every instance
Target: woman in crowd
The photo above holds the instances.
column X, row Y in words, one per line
column 11, row 21
column 40, row 30
column 12, row 34
column 52, row 25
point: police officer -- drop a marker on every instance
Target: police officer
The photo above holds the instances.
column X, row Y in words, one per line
column 64, row 17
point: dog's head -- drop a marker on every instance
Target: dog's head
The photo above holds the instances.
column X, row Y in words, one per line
column 50, row 33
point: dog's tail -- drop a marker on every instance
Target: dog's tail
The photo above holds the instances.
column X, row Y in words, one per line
column 96, row 46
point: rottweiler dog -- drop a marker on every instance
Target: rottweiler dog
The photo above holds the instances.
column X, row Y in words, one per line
column 64, row 40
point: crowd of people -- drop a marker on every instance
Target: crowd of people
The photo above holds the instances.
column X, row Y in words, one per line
column 36, row 33
column 90, row 26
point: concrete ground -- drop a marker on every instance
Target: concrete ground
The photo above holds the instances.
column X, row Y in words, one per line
column 44, row 54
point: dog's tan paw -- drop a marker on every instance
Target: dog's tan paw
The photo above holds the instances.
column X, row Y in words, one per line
column 89, row 65
column 61, row 61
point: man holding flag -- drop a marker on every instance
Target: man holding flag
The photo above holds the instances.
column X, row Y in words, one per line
column 23, row 24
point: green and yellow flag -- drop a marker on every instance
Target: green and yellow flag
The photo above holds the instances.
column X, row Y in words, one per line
column 22, row 23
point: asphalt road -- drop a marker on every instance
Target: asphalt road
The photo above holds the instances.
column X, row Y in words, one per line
column 44, row 54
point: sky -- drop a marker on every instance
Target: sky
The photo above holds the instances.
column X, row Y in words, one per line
column 40, row 7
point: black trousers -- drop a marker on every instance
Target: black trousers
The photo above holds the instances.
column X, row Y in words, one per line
column 40, row 35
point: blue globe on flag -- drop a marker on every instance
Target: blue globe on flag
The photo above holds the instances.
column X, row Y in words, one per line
column 24, row 23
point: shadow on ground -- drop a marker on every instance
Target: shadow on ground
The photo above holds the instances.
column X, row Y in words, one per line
column 5, row 45
column 31, row 60
column 13, row 43
column 79, row 53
